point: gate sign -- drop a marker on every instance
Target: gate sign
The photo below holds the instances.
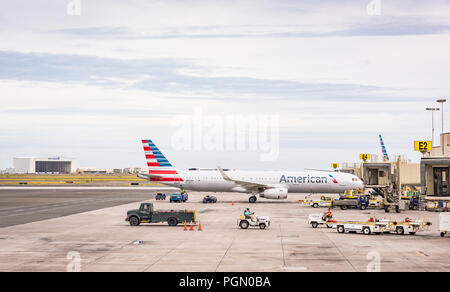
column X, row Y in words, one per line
column 364, row 157
column 335, row 165
column 422, row 146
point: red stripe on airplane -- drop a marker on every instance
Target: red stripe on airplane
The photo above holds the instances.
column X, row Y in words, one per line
column 152, row 164
column 148, row 156
column 147, row 148
column 162, row 172
column 166, row 179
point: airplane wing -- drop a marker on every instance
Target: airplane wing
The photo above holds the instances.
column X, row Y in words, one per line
column 245, row 184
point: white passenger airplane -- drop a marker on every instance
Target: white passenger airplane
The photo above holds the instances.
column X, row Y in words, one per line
column 268, row 184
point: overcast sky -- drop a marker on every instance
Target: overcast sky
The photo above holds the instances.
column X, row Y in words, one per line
column 90, row 86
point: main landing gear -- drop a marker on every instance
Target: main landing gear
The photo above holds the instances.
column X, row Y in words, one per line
column 252, row 199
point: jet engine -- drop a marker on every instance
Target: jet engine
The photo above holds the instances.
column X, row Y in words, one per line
column 274, row 193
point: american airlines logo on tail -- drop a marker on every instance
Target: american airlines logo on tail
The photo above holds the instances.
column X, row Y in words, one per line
column 159, row 168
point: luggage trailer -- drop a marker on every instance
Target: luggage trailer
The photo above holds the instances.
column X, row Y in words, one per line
column 412, row 227
column 382, row 226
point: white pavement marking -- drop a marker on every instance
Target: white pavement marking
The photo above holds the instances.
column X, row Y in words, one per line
column 294, row 268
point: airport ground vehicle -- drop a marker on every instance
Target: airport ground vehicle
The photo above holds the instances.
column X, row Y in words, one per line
column 410, row 200
column 209, row 199
column 444, row 223
column 178, row 197
column 410, row 226
column 160, row 196
column 364, row 227
column 382, row 226
column 437, row 205
column 147, row 214
column 361, row 202
column 388, row 206
column 318, row 219
column 323, row 202
column 260, row 221
column 414, row 202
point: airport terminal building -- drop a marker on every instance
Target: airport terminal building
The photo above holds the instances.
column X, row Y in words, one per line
column 53, row 164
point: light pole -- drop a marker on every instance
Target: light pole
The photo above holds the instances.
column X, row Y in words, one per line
column 441, row 101
column 432, row 109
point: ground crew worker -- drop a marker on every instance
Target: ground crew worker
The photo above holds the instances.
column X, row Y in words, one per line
column 249, row 215
column 327, row 215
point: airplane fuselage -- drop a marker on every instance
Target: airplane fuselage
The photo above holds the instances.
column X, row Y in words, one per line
column 294, row 181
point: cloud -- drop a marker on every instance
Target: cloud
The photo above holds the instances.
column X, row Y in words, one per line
column 382, row 26
column 91, row 86
column 399, row 26
column 77, row 68
column 164, row 75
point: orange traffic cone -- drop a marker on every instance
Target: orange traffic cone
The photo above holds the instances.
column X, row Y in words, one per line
column 199, row 226
column 192, row 227
column 185, row 226
column 232, row 203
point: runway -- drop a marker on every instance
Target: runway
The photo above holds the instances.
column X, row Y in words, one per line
column 19, row 205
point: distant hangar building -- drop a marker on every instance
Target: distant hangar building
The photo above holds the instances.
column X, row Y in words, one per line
column 54, row 164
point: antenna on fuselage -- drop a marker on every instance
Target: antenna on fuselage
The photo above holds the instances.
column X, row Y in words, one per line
column 324, row 170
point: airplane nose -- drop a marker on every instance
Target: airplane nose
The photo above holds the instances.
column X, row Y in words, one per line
column 358, row 184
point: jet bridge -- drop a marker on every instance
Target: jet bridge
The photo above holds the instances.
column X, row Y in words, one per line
column 384, row 178
column 435, row 179
column 435, row 172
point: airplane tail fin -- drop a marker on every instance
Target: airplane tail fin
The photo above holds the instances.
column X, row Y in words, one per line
column 159, row 168
column 383, row 149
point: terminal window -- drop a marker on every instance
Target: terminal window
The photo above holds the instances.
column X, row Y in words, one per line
column 441, row 181
column 53, row 166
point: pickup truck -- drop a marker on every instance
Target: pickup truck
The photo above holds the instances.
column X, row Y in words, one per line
column 209, row 199
column 160, row 196
column 146, row 214
column 178, row 197
column 362, row 202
